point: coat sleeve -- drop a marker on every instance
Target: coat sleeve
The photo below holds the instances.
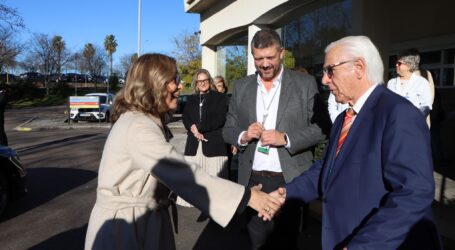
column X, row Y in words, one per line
column 149, row 151
column 231, row 129
column 215, row 115
column 188, row 117
column 408, row 176
column 305, row 186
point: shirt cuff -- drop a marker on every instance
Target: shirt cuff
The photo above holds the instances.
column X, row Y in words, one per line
column 244, row 201
column 288, row 145
column 240, row 138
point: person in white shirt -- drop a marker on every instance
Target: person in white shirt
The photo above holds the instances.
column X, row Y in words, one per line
column 411, row 85
column 335, row 108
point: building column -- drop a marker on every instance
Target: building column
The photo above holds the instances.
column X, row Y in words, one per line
column 252, row 29
column 209, row 61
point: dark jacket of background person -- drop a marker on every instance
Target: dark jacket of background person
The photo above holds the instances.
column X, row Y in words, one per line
column 214, row 111
column 3, row 102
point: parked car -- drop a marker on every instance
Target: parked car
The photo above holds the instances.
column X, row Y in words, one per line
column 12, row 177
column 32, row 77
column 182, row 102
column 93, row 114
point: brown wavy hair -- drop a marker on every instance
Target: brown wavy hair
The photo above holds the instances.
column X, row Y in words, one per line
column 145, row 86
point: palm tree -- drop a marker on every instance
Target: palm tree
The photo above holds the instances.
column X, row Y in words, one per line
column 110, row 45
column 58, row 45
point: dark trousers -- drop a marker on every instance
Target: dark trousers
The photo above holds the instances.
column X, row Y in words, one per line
column 282, row 231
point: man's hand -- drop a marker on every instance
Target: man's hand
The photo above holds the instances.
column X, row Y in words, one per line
column 254, row 132
column 265, row 204
column 279, row 195
column 271, row 137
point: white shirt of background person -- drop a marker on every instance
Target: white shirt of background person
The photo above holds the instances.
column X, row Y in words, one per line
column 335, row 108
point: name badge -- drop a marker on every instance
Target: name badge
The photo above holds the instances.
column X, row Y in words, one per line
column 264, row 150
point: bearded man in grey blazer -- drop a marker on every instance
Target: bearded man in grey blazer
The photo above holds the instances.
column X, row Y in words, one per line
column 275, row 119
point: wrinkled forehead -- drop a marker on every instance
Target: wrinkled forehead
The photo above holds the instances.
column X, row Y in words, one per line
column 335, row 55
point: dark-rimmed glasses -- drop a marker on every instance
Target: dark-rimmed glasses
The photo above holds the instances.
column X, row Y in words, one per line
column 328, row 70
column 202, row 81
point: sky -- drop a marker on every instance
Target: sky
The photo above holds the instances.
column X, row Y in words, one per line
column 89, row 21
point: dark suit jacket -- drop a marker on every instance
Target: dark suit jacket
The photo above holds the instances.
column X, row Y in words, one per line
column 380, row 188
column 300, row 114
column 213, row 118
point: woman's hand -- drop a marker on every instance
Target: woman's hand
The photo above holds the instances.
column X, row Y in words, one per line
column 266, row 205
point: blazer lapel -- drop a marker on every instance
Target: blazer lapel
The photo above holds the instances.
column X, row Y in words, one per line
column 250, row 97
column 353, row 135
column 284, row 97
column 330, row 156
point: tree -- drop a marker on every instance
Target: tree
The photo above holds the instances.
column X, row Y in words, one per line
column 58, row 45
column 236, row 63
column 186, row 47
column 9, row 49
column 188, row 53
column 42, row 55
column 93, row 61
column 10, row 18
column 110, row 45
column 126, row 61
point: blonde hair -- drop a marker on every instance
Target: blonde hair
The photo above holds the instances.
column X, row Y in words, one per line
column 218, row 79
column 198, row 72
column 145, row 86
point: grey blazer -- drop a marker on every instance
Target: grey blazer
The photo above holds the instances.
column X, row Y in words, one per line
column 301, row 115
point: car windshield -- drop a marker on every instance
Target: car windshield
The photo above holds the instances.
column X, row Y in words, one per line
column 102, row 99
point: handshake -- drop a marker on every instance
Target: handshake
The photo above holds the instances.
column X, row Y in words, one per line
column 267, row 205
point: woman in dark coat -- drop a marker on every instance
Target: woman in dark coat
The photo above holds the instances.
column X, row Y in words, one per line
column 203, row 117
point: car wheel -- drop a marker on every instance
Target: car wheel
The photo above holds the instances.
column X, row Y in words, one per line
column 4, row 193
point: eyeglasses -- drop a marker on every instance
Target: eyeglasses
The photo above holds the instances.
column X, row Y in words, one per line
column 177, row 80
column 202, row 81
column 399, row 63
column 329, row 68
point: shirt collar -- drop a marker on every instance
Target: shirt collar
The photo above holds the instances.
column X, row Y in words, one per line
column 277, row 79
column 361, row 101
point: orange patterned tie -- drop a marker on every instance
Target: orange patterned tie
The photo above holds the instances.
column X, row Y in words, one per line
column 348, row 120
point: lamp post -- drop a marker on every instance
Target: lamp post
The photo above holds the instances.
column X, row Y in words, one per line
column 139, row 28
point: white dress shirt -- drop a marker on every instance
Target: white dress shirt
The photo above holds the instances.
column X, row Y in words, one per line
column 267, row 102
column 335, row 108
column 416, row 90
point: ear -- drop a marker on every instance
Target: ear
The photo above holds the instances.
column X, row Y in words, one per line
column 282, row 54
column 360, row 68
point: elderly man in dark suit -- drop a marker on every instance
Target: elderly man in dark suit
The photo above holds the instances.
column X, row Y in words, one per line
column 376, row 178
column 275, row 119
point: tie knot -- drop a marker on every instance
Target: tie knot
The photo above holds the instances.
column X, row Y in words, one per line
column 350, row 112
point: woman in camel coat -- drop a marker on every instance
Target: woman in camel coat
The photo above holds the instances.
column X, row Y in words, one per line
column 139, row 167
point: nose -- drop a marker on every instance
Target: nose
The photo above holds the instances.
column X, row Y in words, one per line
column 180, row 86
column 325, row 79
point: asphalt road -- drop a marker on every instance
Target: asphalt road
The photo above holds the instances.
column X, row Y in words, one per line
column 62, row 167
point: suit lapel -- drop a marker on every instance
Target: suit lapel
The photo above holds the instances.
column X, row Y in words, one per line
column 354, row 133
column 250, row 96
column 284, row 97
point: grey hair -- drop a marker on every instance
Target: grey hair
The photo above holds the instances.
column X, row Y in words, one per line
column 411, row 58
column 362, row 47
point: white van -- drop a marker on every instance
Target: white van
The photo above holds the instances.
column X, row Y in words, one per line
column 94, row 114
